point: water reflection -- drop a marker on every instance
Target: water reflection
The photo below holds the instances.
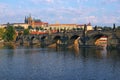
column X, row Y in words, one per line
column 104, row 53
column 83, row 51
column 86, row 52
column 26, row 63
column 9, row 46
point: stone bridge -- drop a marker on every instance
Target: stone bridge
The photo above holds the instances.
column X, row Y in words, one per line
column 69, row 38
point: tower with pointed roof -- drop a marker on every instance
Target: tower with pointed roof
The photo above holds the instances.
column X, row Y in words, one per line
column 28, row 20
column 34, row 22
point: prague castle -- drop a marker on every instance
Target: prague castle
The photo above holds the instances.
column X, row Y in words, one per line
column 35, row 22
column 29, row 21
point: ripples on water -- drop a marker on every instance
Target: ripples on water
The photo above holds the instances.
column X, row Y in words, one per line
column 34, row 63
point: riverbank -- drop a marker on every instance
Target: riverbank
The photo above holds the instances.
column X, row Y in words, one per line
column 15, row 44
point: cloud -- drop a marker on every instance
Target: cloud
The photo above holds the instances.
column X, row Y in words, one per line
column 113, row 0
column 63, row 11
column 42, row 1
column 3, row 7
column 49, row 1
column 110, row 1
column 110, row 19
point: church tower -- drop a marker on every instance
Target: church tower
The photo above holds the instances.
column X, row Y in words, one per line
column 26, row 21
column 30, row 20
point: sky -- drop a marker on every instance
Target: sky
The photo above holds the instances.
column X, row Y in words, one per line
column 97, row 12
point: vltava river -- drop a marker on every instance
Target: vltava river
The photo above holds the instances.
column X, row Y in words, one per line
column 34, row 63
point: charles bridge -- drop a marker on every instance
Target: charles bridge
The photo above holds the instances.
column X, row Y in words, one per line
column 68, row 38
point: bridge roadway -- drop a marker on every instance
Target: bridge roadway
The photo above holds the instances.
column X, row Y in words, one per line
column 68, row 38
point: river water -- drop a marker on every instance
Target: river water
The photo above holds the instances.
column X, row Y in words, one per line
column 34, row 63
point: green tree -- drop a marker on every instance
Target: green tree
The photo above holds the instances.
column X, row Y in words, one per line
column 106, row 28
column 73, row 29
column 9, row 33
column 95, row 28
column 19, row 28
column 37, row 28
column 1, row 33
column 118, row 28
column 50, row 28
column 26, row 32
column 41, row 28
column 30, row 27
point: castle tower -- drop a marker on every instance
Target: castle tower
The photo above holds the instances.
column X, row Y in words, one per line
column 30, row 20
column 26, row 21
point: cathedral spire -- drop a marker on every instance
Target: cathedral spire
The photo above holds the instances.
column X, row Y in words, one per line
column 30, row 15
column 25, row 19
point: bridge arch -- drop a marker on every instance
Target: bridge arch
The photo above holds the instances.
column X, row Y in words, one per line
column 74, row 37
column 57, row 37
column 97, row 36
column 43, row 37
